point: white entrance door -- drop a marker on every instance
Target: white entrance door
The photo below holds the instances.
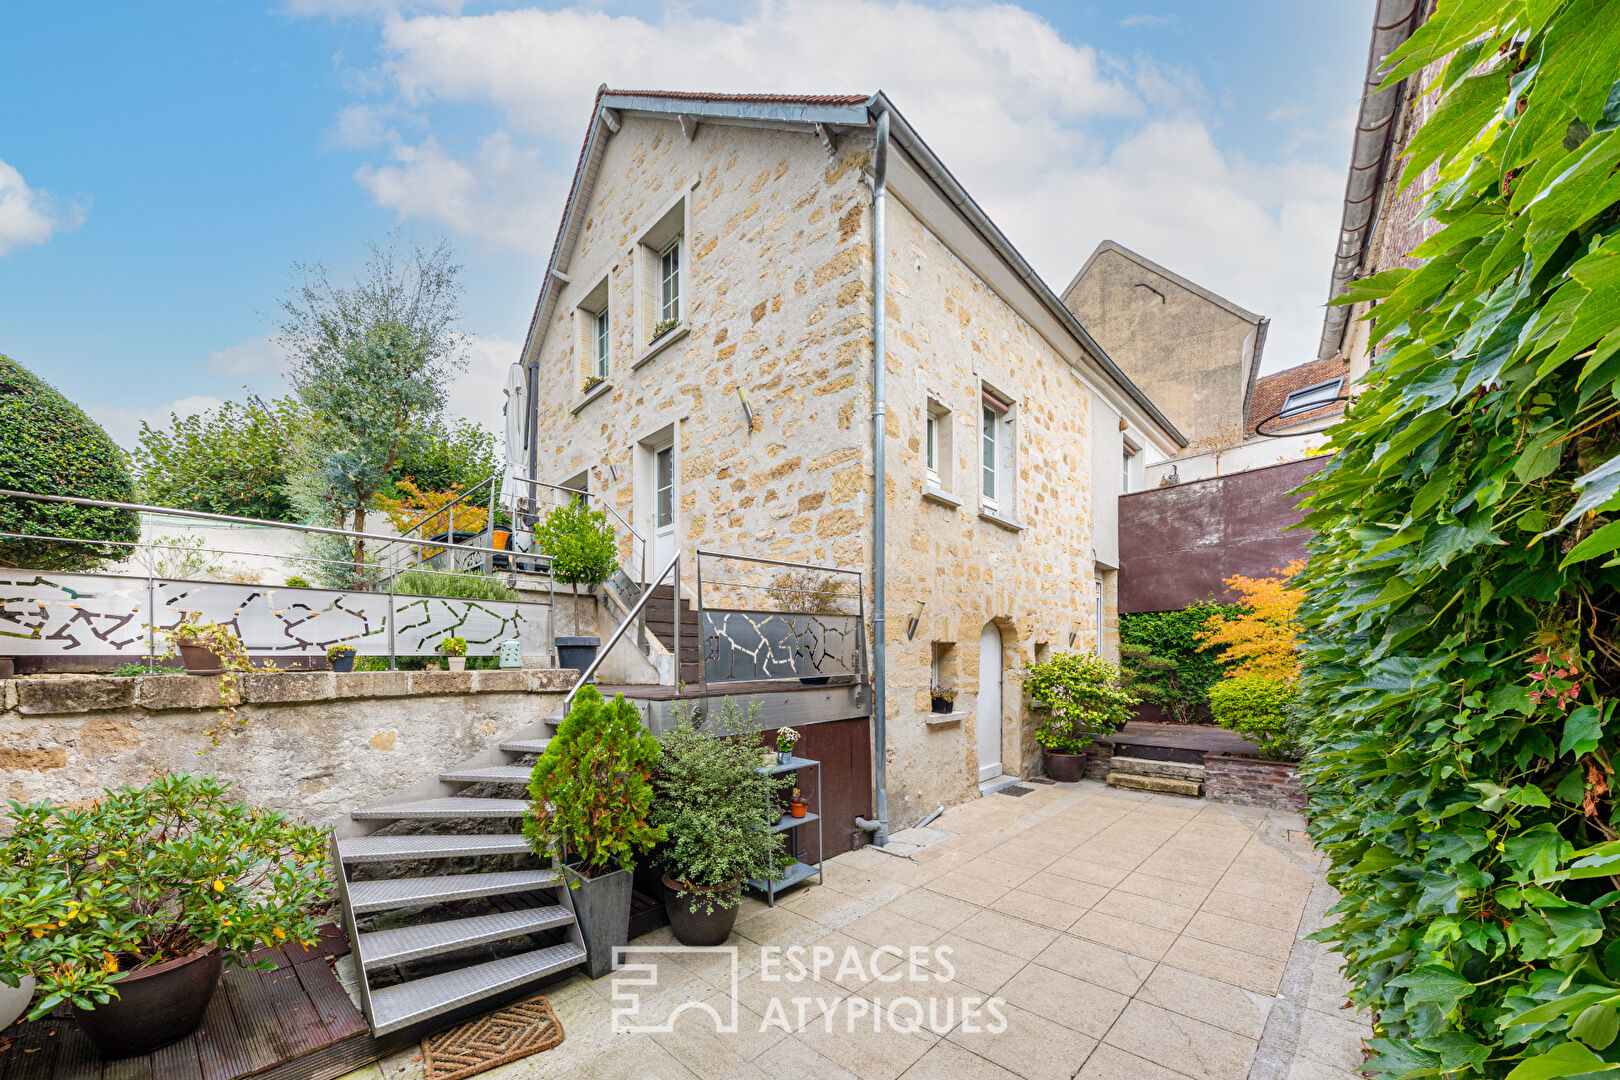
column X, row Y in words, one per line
column 663, row 507
column 989, row 715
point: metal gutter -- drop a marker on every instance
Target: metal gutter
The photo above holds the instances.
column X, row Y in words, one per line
column 1369, row 153
column 958, row 196
column 880, row 423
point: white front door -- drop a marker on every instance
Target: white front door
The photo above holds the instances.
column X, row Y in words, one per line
column 989, row 713
column 663, row 507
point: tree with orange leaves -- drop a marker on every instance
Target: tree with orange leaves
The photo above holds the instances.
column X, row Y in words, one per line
column 1262, row 639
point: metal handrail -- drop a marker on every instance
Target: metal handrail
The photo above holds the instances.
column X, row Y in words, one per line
column 625, row 623
column 589, row 495
column 779, row 562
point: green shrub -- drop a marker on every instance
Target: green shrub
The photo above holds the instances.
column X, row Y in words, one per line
column 231, row 460
column 454, row 586
column 1077, row 697
column 48, row 445
column 1163, row 665
column 715, row 807
column 591, row 790
column 1263, row 709
column 582, row 545
column 146, row 875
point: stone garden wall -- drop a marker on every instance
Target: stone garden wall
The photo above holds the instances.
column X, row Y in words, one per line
column 316, row 745
column 1251, row 781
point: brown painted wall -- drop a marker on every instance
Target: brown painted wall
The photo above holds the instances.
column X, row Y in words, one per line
column 844, row 748
column 1178, row 543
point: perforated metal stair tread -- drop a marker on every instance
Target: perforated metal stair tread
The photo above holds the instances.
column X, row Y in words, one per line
column 385, row 893
column 382, row 947
column 400, row 1006
column 493, row 774
column 363, row 849
column 446, row 808
column 526, row 746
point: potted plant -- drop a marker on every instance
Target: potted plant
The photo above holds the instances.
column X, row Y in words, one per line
column 943, row 699
column 785, row 738
column 591, row 793
column 583, row 550
column 1077, row 697
column 126, row 908
column 715, row 808
column 340, row 657
column 662, row 327
column 207, row 648
column 797, row 807
column 455, row 651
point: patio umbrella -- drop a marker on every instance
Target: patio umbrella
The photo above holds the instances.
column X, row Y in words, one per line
column 517, row 444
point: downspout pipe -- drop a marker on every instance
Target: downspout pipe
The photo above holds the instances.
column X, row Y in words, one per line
column 880, row 420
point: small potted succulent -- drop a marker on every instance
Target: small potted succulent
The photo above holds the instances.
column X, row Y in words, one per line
column 785, row 740
column 126, row 908
column 455, row 651
column 796, row 804
column 943, row 698
column 340, row 657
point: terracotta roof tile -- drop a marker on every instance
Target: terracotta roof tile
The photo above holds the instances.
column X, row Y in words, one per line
column 1272, row 390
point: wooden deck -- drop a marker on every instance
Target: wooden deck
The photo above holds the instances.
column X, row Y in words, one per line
column 291, row 1023
column 1196, row 739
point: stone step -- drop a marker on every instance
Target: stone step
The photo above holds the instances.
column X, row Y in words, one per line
column 1134, row 766
column 1167, row 785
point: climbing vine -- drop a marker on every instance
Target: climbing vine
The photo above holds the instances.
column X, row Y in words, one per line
column 1460, row 639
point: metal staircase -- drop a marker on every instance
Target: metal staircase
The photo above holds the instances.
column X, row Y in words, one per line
column 450, row 918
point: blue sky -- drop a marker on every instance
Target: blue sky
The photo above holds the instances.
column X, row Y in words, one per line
column 162, row 166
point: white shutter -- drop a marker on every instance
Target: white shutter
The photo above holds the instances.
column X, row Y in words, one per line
column 1007, row 465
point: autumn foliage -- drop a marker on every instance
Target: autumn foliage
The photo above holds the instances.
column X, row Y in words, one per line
column 1261, row 638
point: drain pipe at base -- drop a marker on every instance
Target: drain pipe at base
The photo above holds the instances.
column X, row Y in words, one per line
column 880, row 411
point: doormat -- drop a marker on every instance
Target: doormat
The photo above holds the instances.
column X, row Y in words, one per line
column 1015, row 790
column 505, row 1035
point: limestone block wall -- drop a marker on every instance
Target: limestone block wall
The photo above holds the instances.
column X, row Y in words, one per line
column 1032, row 572
column 316, row 745
column 776, row 303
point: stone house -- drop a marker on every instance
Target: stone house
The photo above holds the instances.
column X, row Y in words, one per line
column 702, row 357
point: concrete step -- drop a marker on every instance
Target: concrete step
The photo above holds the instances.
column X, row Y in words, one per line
column 1167, row 785
column 1135, row 766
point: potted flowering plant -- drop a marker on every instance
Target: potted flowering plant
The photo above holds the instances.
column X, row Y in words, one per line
column 455, row 651
column 943, row 698
column 1077, row 697
column 785, row 740
column 340, row 657
column 797, row 807
column 126, row 908
column 208, row 648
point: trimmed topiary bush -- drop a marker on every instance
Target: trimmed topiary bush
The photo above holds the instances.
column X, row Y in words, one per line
column 48, row 445
column 1261, row 708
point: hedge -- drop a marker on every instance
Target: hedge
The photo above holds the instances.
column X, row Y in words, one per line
column 48, row 445
column 1174, row 675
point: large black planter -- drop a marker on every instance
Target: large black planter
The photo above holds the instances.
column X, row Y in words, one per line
column 576, row 652
column 1065, row 768
column 602, row 909
column 155, row 1006
column 700, row 927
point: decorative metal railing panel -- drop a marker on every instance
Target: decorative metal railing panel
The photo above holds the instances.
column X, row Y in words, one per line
column 50, row 614
column 747, row 645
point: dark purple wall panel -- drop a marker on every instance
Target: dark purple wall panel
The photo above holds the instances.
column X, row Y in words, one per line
column 1177, row 544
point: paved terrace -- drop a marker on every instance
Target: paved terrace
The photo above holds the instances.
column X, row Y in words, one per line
column 1132, row 937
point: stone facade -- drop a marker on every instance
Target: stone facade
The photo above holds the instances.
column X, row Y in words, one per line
column 776, row 308
column 1251, row 781
column 315, row 745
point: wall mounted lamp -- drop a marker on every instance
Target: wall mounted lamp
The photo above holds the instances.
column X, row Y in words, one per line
column 915, row 620
column 1074, row 632
column 748, row 413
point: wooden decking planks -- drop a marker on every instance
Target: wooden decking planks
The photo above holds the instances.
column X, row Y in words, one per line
column 291, row 1021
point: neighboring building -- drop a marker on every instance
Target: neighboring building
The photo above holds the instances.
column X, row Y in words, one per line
column 702, row 353
column 1197, row 353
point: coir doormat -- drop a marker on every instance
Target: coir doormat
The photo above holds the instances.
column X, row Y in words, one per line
column 508, row 1034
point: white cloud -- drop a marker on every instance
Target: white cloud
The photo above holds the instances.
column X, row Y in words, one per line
column 1062, row 144
column 31, row 215
column 255, row 358
column 124, row 424
column 477, row 393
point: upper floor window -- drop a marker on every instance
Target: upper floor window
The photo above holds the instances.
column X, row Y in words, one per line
column 992, row 420
column 997, row 447
column 601, row 341
column 1311, row 397
column 1127, row 459
column 669, row 282
column 594, row 320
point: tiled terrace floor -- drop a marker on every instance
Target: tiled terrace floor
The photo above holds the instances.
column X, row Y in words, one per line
column 1131, row 937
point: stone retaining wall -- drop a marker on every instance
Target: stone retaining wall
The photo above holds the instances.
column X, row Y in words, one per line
column 313, row 744
column 1251, row 781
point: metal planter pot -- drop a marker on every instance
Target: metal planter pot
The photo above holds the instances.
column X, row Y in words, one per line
column 343, row 662
column 602, row 909
column 576, row 652
column 700, row 927
column 155, row 1006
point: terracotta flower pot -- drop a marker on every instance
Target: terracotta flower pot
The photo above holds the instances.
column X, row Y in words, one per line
column 700, row 927
column 797, row 809
column 200, row 660
column 1065, row 768
column 498, row 539
column 155, row 1006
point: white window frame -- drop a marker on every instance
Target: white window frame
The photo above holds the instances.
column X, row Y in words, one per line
column 989, row 456
column 669, row 280
column 1099, row 615
column 602, row 342
column 1126, row 458
column 1330, row 385
column 998, row 443
column 931, row 448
